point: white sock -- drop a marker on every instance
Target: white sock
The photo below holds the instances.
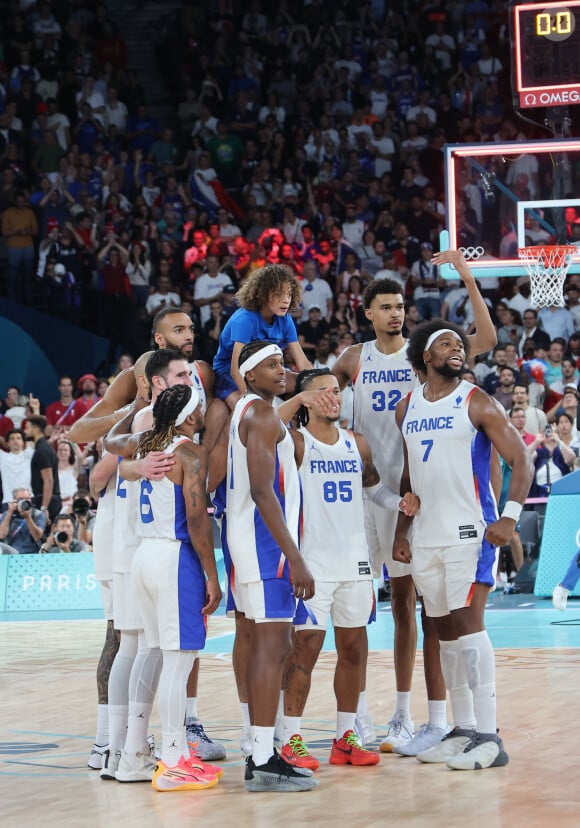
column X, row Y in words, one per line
column 460, row 696
column 142, row 689
column 361, row 709
column 118, row 714
column 479, row 663
column 344, row 723
column 403, row 704
column 137, row 726
column 245, row 714
column 171, row 698
column 263, row 746
column 437, row 713
column 102, row 737
column 292, row 725
column 191, row 709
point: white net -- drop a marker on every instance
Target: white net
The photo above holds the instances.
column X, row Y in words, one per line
column 548, row 267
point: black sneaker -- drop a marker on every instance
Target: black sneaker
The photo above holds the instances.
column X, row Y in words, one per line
column 276, row 775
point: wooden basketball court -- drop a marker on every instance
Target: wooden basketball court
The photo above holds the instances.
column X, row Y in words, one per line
column 47, row 721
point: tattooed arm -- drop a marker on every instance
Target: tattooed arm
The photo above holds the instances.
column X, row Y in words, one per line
column 193, row 460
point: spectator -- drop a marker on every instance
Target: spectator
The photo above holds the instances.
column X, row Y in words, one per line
column 210, row 286
column 62, row 538
column 14, row 465
column 22, row 525
column 20, row 229
column 163, row 297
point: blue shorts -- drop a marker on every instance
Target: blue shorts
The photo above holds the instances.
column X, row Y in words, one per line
column 224, row 386
column 230, row 602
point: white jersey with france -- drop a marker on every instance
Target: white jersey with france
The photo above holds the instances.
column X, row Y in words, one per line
column 161, row 505
column 126, row 534
column 333, row 541
column 449, row 463
column 255, row 554
column 197, row 381
column 103, row 531
column 380, row 381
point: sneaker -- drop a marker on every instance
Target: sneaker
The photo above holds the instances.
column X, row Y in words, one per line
column 96, row 756
column 349, row 751
column 277, row 776
column 399, row 732
column 181, row 777
column 204, row 767
column 365, row 729
column 154, row 751
column 559, row 598
column 110, row 764
column 200, row 744
column 246, row 741
column 427, row 737
column 451, row 744
column 485, row 750
column 296, row 753
column 135, row 767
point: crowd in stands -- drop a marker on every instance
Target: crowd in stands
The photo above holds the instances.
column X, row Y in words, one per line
column 314, row 144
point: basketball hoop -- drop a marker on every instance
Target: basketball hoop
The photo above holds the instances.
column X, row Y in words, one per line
column 548, row 267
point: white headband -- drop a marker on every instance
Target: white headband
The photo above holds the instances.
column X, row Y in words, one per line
column 259, row 356
column 436, row 334
column 189, row 408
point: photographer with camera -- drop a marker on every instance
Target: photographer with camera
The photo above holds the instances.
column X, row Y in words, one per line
column 62, row 537
column 22, row 525
column 84, row 515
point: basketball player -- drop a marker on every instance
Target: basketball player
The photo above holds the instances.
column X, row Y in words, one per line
column 457, row 531
column 103, row 483
column 263, row 504
column 174, row 330
column 167, row 574
column 381, row 376
column 334, row 465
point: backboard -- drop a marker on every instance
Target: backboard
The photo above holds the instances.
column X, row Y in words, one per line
column 501, row 196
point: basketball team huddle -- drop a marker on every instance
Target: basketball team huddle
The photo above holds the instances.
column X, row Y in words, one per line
column 308, row 512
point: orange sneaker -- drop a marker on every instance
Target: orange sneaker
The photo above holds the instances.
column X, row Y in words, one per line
column 349, row 751
column 296, row 753
column 181, row 777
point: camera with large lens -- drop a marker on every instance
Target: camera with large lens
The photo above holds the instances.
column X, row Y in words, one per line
column 24, row 505
column 80, row 506
column 61, row 537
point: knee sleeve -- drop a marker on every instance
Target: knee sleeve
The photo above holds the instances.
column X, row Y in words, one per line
column 452, row 664
column 478, row 659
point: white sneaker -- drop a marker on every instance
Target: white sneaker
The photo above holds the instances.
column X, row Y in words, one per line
column 485, row 750
column 96, row 756
column 453, row 743
column 246, row 741
column 110, row 764
column 399, row 731
column 427, row 737
column 135, row 767
column 365, row 729
column 560, row 597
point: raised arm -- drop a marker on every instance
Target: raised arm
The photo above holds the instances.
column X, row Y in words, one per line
column 485, row 336
column 106, row 412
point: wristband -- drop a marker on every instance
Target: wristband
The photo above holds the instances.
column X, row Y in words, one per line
column 512, row 510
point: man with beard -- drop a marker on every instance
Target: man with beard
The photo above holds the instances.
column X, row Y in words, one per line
column 381, row 376
column 457, row 530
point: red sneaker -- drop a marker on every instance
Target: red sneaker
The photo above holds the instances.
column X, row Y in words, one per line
column 204, row 768
column 349, row 751
column 296, row 753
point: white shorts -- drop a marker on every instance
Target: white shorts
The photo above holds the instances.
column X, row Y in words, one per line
column 126, row 612
column 348, row 603
column 169, row 588
column 380, row 525
column 445, row 575
column 107, row 599
column 268, row 600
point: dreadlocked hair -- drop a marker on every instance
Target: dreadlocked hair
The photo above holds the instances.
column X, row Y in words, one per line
column 165, row 411
column 302, row 382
